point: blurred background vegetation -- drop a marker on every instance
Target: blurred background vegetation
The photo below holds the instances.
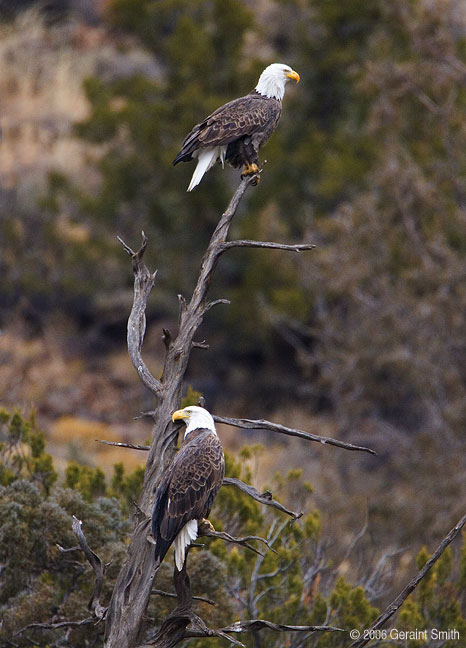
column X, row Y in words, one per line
column 362, row 338
column 46, row 582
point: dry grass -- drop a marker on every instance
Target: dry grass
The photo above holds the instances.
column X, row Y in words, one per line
column 78, row 438
column 77, row 400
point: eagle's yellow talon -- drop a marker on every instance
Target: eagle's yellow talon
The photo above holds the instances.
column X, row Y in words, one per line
column 205, row 524
column 250, row 169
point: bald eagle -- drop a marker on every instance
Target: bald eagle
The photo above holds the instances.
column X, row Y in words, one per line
column 189, row 486
column 236, row 131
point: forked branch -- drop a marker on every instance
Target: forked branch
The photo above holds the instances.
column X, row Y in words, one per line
column 143, row 283
column 206, row 529
column 94, row 603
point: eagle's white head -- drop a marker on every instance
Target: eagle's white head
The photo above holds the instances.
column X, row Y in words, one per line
column 273, row 80
column 195, row 417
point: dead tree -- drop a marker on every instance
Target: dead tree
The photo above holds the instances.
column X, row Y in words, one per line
column 135, row 581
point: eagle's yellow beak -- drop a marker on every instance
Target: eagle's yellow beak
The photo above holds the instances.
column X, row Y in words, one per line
column 179, row 414
column 293, row 75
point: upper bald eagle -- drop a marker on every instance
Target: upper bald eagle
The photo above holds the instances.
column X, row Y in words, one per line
column 189, row 486
column 237, row 130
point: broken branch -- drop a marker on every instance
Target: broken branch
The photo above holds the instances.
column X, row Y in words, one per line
column 159, row 592
column 410, row 587
column 268, row 245
column 63, row 550
column 261, row 424
column 264, row 498
column 124, row 445
column 96, row 564
column 55, row 626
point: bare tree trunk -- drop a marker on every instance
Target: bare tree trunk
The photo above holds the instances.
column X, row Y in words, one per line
column 134, row 584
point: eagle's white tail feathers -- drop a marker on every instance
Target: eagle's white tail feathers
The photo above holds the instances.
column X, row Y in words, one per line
column 187, row 534
column 206, row 159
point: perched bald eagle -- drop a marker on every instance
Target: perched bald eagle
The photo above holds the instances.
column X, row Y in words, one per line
column 236, row 131
column 189, row 486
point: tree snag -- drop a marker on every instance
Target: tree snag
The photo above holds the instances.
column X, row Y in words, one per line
column 134, row 584
column 135, row 580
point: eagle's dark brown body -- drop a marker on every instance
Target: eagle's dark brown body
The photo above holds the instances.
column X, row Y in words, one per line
column 188, row 487
column 242, row 125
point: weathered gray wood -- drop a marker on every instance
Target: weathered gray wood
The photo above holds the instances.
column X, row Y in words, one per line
column 135, row 581
column 261, row 424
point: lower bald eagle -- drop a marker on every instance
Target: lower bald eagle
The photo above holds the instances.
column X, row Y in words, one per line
column 236, row 131
column 189, row 486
